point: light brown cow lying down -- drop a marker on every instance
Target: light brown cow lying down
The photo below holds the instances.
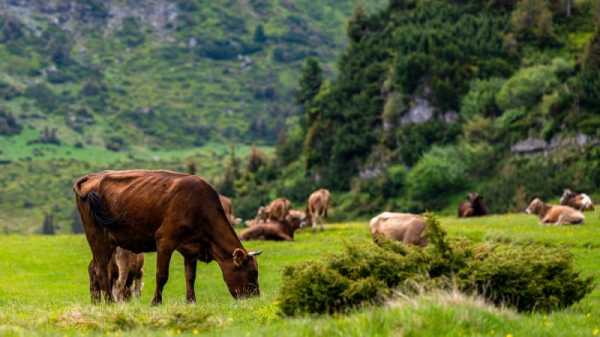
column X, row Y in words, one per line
column 557, row 214
column 126, row 271
column 405, row 227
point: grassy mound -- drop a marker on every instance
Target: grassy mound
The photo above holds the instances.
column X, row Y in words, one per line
column 526, row 277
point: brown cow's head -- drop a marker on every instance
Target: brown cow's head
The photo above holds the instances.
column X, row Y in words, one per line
column 241, row 274
column 473, row 197
column 535, row 207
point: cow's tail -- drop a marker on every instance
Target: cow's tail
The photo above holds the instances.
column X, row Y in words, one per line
column 99, row 212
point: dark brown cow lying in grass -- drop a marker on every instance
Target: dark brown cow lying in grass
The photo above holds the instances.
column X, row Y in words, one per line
column 275, row 230
column 580, row 201
column 162, row 211
column 317, row 207
column 126, row 272
column 556, row 215
column 404, row 227
column 473, row 206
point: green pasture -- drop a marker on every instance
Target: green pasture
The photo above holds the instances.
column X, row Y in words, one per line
column 44, row 291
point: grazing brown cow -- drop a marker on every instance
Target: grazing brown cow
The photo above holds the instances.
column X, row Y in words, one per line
column 557, row 215
column 405, row 227
column 275, row 230
column 162, row 211
column 317, row 206
column 580, row 201
column 125, row 274
column 228, row 208
column 473, row 206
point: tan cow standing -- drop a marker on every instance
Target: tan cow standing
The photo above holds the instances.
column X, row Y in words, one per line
column 405, row 227
column 557, row 214
column 316, row 208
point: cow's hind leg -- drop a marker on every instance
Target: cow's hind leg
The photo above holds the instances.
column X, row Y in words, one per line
column 95, row 289
column 190, row 278
column 164, row 250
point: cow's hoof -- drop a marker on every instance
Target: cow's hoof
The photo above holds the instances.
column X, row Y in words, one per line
column 156, row 302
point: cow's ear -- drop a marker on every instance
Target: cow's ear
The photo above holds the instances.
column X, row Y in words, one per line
column 239, row 256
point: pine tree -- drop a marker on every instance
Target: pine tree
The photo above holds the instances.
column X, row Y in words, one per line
column 259, row 34
column 310, row 82
column 589, row 81
column 48, row 224
column 76, row 225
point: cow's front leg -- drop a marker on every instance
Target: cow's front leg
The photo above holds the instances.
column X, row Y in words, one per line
column 190, row 277
column 164, row 250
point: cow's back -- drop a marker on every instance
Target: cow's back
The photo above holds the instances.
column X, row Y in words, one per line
column 565, row 214
column 404, row 227
column 133, row 204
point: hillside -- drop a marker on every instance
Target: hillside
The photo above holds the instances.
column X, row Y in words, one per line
column 160, row 73
column 91, row 85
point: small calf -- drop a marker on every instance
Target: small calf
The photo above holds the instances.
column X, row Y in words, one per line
column 557, row 214
column 125, row 276
column 405, row 227
column 580, row 201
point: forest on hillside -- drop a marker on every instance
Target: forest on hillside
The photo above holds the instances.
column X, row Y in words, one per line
column 87, row 85
column 437, row 98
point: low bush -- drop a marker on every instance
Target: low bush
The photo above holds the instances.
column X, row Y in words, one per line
column 526, row 277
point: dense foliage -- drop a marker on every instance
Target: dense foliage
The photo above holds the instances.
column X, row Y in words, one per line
column 464, row 95
column 526, row 277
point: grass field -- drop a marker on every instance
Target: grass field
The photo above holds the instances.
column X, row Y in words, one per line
column 44, row 291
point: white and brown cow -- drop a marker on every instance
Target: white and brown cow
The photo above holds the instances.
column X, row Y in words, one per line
column 580, row 201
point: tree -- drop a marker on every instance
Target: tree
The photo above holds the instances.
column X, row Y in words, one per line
column 256, row 160
column 76, row 225
column 532, row 19
column 231, row 174
column 48, row 224
column 259, row 34
column 589, row 80
column 310, row 81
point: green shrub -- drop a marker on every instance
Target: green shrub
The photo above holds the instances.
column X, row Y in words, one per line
column 440, row 171
column 526, row 277
column 481, row 99
column 526, row 87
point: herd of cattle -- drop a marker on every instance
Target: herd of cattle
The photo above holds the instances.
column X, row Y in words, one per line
column 127, row 213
